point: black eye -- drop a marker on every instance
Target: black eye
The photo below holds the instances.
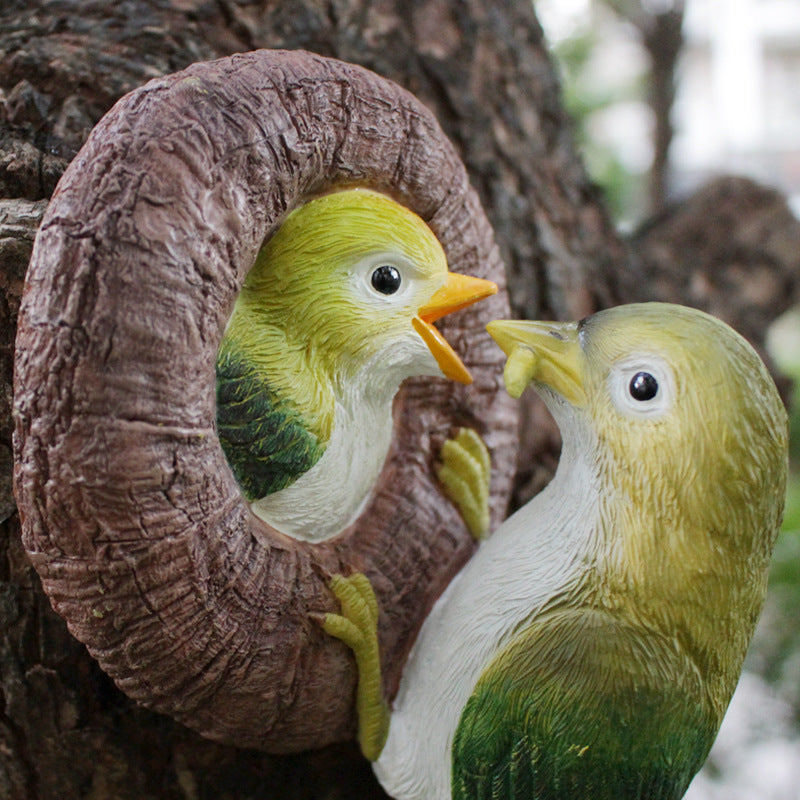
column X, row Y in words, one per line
column 386, row 279
column 643, row 386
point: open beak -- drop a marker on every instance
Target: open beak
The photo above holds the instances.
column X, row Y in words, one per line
column 549, row 353
column 459, row 291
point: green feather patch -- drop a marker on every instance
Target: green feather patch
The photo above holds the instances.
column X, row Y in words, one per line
column 583, row 706
column 264, row 437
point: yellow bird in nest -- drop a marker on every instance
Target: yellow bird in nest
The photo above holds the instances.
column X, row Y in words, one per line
column 336, row 312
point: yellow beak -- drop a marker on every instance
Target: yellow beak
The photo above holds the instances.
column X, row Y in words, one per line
column 459, row 291
column 545, row 352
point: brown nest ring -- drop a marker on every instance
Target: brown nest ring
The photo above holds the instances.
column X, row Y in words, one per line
column 129, row 511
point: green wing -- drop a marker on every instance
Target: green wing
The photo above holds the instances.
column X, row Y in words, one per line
column 265, row 440
column 581, row 706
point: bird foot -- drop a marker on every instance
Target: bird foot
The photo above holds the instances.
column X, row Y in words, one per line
column 464, row 475
column 357, row 627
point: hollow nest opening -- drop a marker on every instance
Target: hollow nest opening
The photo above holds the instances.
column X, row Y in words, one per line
column 130, row 512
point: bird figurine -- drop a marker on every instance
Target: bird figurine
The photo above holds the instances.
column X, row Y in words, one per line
column 336, row 312
column 589, row 649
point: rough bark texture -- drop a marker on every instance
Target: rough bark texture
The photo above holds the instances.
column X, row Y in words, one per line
column 65, row 730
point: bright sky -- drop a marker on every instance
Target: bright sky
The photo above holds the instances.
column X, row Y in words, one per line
column 559, row 18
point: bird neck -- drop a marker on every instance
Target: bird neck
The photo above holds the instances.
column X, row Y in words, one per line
column 305, row 434
column 285, row 365
column 655, row 553
column 325, row 500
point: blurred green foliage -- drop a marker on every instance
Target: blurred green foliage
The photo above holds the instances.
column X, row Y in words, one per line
column 585, row 100
column 776, row 650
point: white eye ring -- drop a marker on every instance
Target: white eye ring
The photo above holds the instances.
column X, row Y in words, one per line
column 366, row 268
column 642, row 386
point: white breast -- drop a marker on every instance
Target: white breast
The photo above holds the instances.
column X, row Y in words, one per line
column 535, row 553
column 322, row 502
column 328, row 498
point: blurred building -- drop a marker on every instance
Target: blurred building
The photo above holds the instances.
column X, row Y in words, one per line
column 738, row 89
column 738, row 105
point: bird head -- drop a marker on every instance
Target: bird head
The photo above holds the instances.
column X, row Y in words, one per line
column 687, row 437
column 353, row 279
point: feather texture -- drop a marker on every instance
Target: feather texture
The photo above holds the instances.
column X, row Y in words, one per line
column 335, row 313
column 571, row 708
column 590, row 648
column 267, row 442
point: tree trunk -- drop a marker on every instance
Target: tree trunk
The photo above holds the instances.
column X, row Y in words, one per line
column 65, row 730
column 661, row 33
column 663, row 42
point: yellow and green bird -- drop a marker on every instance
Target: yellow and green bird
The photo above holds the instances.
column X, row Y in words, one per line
column 336, row 312
column 589, row 649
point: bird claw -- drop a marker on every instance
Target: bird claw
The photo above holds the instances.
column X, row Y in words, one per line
column 464, row 475
column 357, row 627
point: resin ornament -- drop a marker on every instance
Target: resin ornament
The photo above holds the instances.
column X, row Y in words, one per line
column 145, row 541
column 336, row 313
column 591, row 646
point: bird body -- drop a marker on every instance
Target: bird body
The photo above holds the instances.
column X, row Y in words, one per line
column 480, row 609
column 336, row 312
column 590, row 647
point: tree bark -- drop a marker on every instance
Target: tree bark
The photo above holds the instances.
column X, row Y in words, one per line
column 661, row 33
column 65, row 730
column 663, row 42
